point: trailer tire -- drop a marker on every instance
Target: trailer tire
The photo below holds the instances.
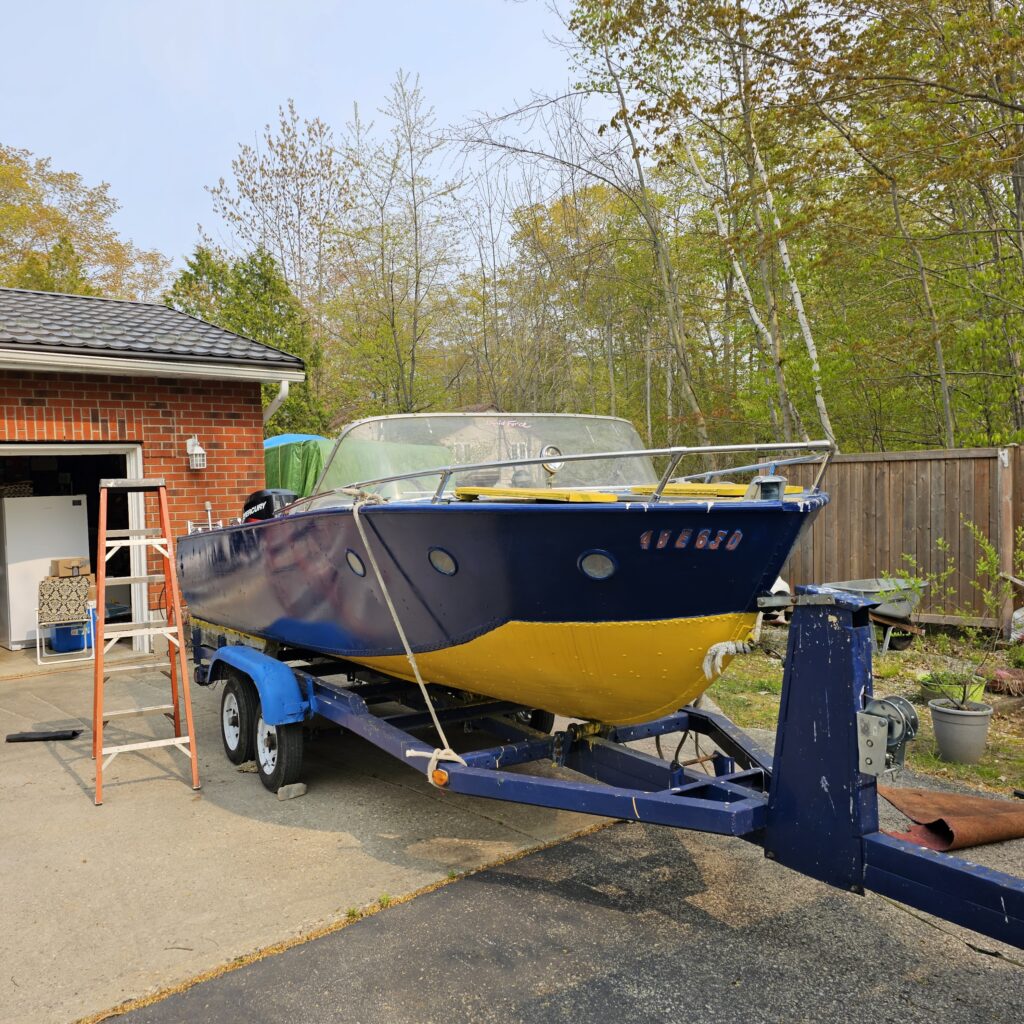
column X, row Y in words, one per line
column 278, row 752
column 238, row 717
column 900, row 641
column 542, row 721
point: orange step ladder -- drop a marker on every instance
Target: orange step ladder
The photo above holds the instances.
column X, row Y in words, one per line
column 158, row 540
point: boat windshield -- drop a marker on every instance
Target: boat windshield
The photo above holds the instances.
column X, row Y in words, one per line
column 395, row 445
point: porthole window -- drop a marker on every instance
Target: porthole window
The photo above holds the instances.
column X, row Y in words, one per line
column 355, row 563
column 443, row 562
column 598, row 565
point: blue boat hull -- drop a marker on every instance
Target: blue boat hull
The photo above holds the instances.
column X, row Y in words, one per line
column 296, row 580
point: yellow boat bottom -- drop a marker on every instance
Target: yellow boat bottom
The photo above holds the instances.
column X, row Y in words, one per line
column 614, row 672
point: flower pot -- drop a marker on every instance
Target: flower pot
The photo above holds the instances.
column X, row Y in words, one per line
column 975, row 691
column 960, row 733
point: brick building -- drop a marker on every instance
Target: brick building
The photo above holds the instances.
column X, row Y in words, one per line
column 93, row 388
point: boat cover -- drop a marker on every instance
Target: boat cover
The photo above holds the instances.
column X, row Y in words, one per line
column 295, row 461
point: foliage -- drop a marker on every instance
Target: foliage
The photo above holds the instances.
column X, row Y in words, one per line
column 994, row 591
column 251, row 297
column 958, row 686
column 56, row 234
column 57, row 270
column 792, row 219
column 395, row 255
column 940, row 583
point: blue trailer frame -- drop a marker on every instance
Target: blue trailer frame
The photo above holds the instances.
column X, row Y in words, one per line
column 809, row 805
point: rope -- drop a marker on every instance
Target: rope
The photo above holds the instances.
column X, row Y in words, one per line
column 442, row 753
column 717, row 653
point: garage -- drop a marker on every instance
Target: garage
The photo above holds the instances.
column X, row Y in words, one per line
column 92, row 388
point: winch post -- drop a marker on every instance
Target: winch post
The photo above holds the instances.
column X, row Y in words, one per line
column 822, row 815
column 820, row 806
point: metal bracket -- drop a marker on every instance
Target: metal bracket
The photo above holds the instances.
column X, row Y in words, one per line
column 776, row 601
column 884, row 728
column 871, row 734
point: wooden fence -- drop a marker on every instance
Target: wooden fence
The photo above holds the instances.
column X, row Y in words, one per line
column 890, row 505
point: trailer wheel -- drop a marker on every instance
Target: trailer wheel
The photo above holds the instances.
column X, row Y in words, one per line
column 542, row 721
column 278, row 753
column 900, row 641
column 237, row 718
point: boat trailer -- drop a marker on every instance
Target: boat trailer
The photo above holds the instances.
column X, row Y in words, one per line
column 812, row 805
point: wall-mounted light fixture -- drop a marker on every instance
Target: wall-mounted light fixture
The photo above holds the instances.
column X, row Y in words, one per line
column 196, row 453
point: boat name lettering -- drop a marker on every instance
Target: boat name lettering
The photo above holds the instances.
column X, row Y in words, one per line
column 706, row 540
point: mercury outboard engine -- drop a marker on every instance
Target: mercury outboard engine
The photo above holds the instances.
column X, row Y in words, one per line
column 266, row 504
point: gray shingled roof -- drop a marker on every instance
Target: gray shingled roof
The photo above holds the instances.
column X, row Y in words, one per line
column 48, row 322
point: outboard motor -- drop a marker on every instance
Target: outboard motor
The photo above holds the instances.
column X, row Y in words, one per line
column 266, row 504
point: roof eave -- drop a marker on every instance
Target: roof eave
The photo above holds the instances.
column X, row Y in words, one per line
column 76, row 362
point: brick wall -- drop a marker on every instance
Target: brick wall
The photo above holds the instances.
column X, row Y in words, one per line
column 158, row 413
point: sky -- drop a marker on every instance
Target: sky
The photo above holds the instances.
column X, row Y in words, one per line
column 154, row 96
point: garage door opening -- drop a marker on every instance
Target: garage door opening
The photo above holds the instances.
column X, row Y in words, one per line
column 49, row 509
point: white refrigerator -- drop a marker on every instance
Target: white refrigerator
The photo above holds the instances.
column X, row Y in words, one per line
column 34, row 531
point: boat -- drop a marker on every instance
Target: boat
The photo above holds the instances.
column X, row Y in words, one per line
column 549, row 560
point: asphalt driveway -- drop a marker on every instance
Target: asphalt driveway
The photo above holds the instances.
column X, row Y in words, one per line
column 631, row 923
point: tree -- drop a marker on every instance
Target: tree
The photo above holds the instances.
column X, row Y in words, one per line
column 250, row 297
column 396, row 254
column 288, row 196
column 56, row 235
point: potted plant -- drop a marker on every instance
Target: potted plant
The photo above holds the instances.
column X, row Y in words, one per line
column 959, row 716
column 963, row 684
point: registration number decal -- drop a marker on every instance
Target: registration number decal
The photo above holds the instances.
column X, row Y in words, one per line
column 701, row 540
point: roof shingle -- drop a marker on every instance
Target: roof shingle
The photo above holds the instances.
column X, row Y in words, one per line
column 47, row 321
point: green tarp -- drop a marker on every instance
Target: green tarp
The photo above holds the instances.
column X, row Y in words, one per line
column 296, row 467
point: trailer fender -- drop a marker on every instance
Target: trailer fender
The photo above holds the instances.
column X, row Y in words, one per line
column 281, row 696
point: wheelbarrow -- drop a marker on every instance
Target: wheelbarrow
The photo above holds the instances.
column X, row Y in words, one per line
column 897, row 599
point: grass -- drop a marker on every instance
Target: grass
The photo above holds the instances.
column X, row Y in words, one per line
column 750, row 688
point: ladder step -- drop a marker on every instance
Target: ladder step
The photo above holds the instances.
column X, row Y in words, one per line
column 181, row 742
column 123, row 484
column 127, row 712
column 142, row 531
column 139, row 629
column 134, row 666
column 156, row 577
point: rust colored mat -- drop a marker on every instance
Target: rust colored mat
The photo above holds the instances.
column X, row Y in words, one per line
column 955, row 821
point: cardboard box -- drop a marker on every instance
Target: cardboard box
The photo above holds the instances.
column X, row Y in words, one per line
column 70, row 567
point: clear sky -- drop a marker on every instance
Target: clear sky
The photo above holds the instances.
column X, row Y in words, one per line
column 154, row 96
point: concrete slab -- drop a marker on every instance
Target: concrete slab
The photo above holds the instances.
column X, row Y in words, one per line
column 162, row 883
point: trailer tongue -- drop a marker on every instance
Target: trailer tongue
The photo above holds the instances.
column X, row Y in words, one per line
column 812, row 806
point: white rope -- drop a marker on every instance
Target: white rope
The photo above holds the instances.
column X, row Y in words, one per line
column 717, row 653
column 445, row 752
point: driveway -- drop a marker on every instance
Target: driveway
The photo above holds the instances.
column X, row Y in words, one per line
column 631, row 923
column 102, row 904
column 162, row 885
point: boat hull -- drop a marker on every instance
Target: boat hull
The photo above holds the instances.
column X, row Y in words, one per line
column 518, row 619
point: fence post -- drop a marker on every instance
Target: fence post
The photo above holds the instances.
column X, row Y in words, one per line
column 1005, row 464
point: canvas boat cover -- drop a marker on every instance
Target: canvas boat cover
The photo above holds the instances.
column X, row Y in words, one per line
column 295, row 461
